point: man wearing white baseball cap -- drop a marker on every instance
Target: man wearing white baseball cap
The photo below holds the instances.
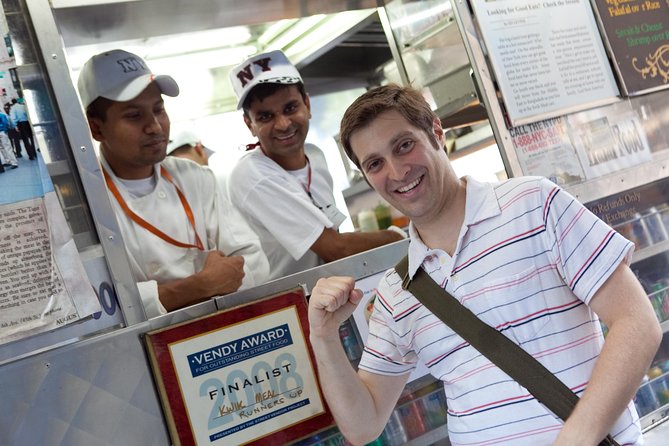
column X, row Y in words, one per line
column 187, row 144
column 281, row 185
column 185, row 242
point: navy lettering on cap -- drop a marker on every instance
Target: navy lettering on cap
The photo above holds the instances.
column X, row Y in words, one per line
column 245, row 74
column 130, row 64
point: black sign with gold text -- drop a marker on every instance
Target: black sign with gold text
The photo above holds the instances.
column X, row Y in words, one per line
column 637, row 32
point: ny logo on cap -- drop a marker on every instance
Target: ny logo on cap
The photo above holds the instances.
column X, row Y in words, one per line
column 246, row 74
column 130, row 64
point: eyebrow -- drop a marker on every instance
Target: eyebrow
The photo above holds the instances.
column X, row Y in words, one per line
column 284, row 105
column 392, row 142
column 133, row 105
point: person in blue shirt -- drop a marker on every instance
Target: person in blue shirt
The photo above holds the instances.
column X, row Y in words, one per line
column 19, row 118
column 14, row 135
column 7, row 155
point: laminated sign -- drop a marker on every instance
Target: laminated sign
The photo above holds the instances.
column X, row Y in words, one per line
column 240, row 376
column 547, row 56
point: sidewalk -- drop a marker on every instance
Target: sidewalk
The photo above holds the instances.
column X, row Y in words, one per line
column 25, row 182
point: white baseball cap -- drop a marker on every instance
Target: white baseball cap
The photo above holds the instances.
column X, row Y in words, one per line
column 186, row 138
column 267, row 68
column 120, row 76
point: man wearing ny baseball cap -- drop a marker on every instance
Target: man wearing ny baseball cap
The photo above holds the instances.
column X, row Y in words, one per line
column 281, row 185
column 185, row 242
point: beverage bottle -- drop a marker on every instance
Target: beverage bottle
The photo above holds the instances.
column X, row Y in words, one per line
column 394, row 433
column 645, row 399
column 350, row 341
column 367, row 221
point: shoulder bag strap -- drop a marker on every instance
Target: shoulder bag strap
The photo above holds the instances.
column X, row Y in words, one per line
column 500, row 350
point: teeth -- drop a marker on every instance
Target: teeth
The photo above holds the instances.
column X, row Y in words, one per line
column 410, row 186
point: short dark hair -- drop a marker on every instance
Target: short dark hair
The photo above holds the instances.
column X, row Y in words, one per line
column 408, row 101
column 262, row 91
column 98, row 108
column 181, row 150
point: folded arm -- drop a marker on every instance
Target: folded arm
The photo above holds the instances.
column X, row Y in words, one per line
column 220, row 275
column 332, row 245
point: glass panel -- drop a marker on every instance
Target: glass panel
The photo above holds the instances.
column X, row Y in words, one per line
column 22, row 45
column 434, row 57
column 30, row 82
column 10, row 6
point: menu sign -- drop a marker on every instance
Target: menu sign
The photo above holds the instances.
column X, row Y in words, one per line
column 610, row 140
column 240, row 376
column 544, row 148
column 547, row 55
column 637, row 32
column 630, row 204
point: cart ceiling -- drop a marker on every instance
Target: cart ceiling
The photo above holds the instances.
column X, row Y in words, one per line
column 336, row 44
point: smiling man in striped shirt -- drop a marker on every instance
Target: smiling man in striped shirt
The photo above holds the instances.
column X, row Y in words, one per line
column 524, row 256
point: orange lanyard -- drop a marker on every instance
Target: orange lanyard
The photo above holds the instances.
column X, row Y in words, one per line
column 148, row 226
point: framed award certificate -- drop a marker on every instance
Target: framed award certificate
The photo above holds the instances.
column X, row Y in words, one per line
column 245, row 375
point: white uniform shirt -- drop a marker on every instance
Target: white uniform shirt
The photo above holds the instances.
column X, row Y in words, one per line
column 528, row 260
column 217, row 222
column 279, row 210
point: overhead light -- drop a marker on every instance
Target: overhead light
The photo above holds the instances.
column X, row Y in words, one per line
column 55, row 4
column 294, row 32
column 327, row 31
column 208, row 59
column 220, row 44
column 183, row 43
column 275, row 30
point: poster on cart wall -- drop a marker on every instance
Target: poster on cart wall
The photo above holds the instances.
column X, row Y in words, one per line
column 609, row 140
column 43, row 283
column 547, row 56
column 245, row 375
column 545, row 149
column 637, row 33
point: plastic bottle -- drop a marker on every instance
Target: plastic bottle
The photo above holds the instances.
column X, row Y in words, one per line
column 645, row 399
column 350, row 341
column 394, row 433
column 413, row 417
column 383, row 217
column 641, row 232
column 659, row 384
column 656, row 229
column 657, row 300
column 434, row 404
column 367, row 221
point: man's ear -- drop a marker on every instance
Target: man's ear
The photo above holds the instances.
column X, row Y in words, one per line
column 199, row 148
column 95, row 124
column 249, row 124
column 201, row 154
column 307, row 102
column 438, row 132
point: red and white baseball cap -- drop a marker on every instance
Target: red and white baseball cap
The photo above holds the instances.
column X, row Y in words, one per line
column 266, row 68
column 119, row 76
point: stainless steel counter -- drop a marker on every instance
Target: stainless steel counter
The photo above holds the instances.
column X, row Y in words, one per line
column 659, row 435
column 100, row 391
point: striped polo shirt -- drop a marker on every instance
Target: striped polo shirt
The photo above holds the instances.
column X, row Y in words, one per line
column 529, row 258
